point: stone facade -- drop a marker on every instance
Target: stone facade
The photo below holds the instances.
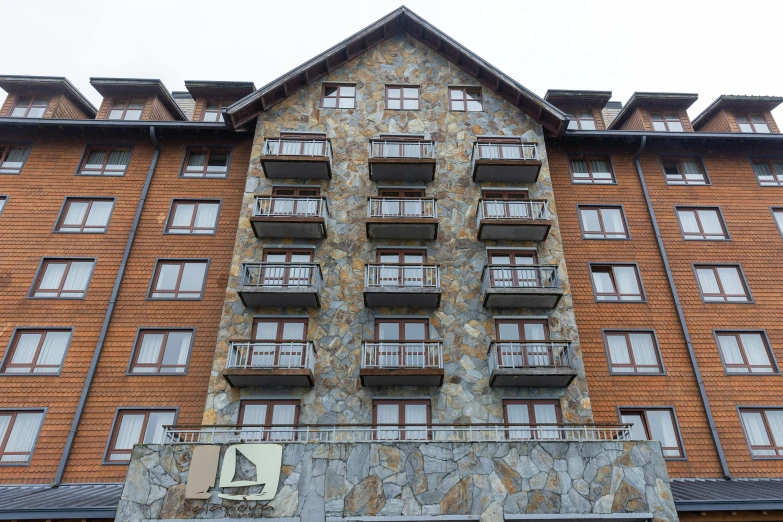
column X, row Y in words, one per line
column 418, row 479
column 342, row 322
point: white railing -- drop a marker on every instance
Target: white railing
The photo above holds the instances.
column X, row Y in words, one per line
column 508, row 209
column 289, row 206
column 271, row 355
column 531, row 354
column 520, row 276
column 402, row 354
column 402, row 276
column 195, row 434
column 505, row 151
column 274, row 275
column 301, row 147
column 402, row 208
column 402, row 149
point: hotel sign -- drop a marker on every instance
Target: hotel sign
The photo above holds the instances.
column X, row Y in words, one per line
column 267, row 459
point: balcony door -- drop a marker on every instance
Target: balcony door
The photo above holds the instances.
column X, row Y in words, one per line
column 402, row 342
column 400, row 274
column 506, row 276
column 296, row 144
column 279, row 343
column 297, row 205
column 500, row 204
column 290, row 274
column 500, row 148
column 273, row 420
column 395, row 204
column 401, row 420
column 395, row 146
column 526, row 419
column 515, row 347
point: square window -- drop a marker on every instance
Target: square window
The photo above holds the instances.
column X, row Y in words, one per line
column 105, row 161
column 401, row 419
column 81, row 215
column 63, row 278
column 655, row 424
column 126, row 109
column 633, row 352
column 213, row 111
column 161, row 351
column 465, row 99
column 269, row 420
column 764, row 431
column 528, row 419
column 603, row 223
column 722, row 284
column 206, row 163
column 684, row 171
column 12, row 158
column 19, row 432
column 745, row 352
column 136, row 427
column 38, row 352
column 593, row 169
column 174, row 279
column 338, row 96
column 769, row 172
column 402, row 97
column 667, row 121
column 752, row 122
column 617, row 283
column 190, row 216
column 702, row 224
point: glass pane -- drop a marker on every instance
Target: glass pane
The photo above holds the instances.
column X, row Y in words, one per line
column 643, row 349
column 579, row 168
column 535, row 332
column 388, row 331
column 167, row 278
column 730, row 350
column 346, row 103
column 99, row 214
column 23, row 434
column 294, row 331
column 613, row 221
column 410, row 92
column 626, row 279
column 756, row 350
column 775, row 420
column 78, row 276
column 618, row 349
column 254, row 414
column 36, row 112
column 217, row 162
column 177, row 346
column 731, row 280
column 53, row 275
column 132, row 114
column 183, row 214
column 75, row 214
column 659, row 126
column 587, row 124
column 193, row 277
column 388, row 414
column 410, row 104
column 603, row 282
column 590, row 221
column 754, row 427
column 25, row 348
column 415, row 417
column 414, row 331
column 688, row 221
column 675, row 126
column 157, row 419
column 347, row 91
column 662, row 428
column 149, row 351
column 129, row 432
column 474, row 105
column 508, row 332
column 637, row 427
column 456, row 94
column 393, row 93
column 197, row 160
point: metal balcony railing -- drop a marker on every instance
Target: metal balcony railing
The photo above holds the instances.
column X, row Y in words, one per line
column 402, row 208
column 505, row 209
column 402, row 354
column 505, row 151
column 402, row 149
column 290, row 206
column 285, row 147
column 358, row 433
column 266, row 355
column 520, row 276
column 530, row 354
column 401, row 276
column 275, row 275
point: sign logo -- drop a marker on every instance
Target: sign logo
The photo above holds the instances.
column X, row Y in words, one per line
column 266, row 458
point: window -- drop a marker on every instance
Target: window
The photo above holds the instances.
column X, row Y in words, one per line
column 581, row 119
column 105, row 161
column 465, row 99
column 603, row 223
column 632, row 352
column 85, row 215
column 338, row 96
column 63, row 278
column 617, row 283
column 3, row 199
column 126, row 109
column 279, row 342
column 18, row 433
column 269, row 420
column 722, row 284
column 161, row 351
column 288, row 267
column 402, row 97
column 666, row 121
column 764, row 431
column 12, row 158
column 179, row 280
column 503, row 274
column 655, row 424
column 193, row 217
column 136, row 427
column 213, row 111
column 30, row 107
column 402, row 330
column 777, row 213
column 595, row 169
column 515, row 347
column 37, row 351
column 702, row 224
column 526, row 419
column 753, row 122
column 684, row 171
column 401, row 420
column 206, row 163
column 769, row 172
column 745, row 352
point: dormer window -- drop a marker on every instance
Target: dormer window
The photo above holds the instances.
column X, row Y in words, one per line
column 581, row 120
column 666, row 121
column 126, row 109
column 30, row 107
column 753, row 122
column 213, row 112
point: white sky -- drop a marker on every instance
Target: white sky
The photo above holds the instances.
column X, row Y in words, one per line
column 709, row 48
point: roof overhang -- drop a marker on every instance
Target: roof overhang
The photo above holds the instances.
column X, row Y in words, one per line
column 732, row 101
column 654, row 100
column 138, row 87
column 568, row 98
column 727, row 495
column 226, row 90
column 68, row 501
column 402, row 19
column 48, row 85
column 620, row 135
column 10, row 123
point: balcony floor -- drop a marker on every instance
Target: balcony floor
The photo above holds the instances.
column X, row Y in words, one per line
column 532, row 377
column 402, row 228
column 283, row 297
column 522, row 297
column 512, row 171
column 401, row 376
column 413, row 297
column 514, row 229
column 258, row 377
column 289, row 227
column 402, row 169
column 296, row 167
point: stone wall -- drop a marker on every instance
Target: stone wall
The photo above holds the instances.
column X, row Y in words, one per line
column 415, row 479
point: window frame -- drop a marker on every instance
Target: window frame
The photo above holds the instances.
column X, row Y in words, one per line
column 39, row 274
column 196, row 202
column 665, row 120
column 769, row 161
column 534, row 426
column 14, row 341
column 400, row 427
column 221, row 104
column 762, row 410
column 91, row 199
column 118, row 413
column 141, row 331
column 464, row 100
column 681, row 170
column 3, row 202
column 748, row 116
column 643, row 293
column 109, row 149
column 5, row 148
column 189, row 149
column 778, row 224
column 588, row 206
column 401, row 322
column 402, row 97
column 633, row 410
column 297, row 403
column 30, row 106
column 589, row 158
column 576, row 119
column 741, row 273
column 737, row 332
column 678, row 208
column 605, row 332
column 281, row 321
column 127, row 101
column 13, row 411
column 156, row 271
column 338, row 85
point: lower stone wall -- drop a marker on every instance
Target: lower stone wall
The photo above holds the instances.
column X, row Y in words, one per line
column 417, row 479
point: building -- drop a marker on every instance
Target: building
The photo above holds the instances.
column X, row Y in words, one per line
column 359, row 292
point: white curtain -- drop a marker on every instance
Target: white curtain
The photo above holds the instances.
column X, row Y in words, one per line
column 254, row 414
column 118, row 161
column 518, row 415
column 711, row 223
column 778, row 166
column 390, row 207
column 413, row 208
column 149, row 351
column 206, row 216
column 24, row 351
column 75, row 213
column 775, row 421
column 167, row 277
column 128, row 435
column 579, row 168
column 644, row 351
column 763, row 172
column 180, row 340
column 627, row 283
column 283, row 415
column 192, row 277
column 183, row 215
column 688, row 221
column 489, row 151
column 730, row 349
column 197, row 160
column 601, row 170
column 662, row 429
column 99, row 215
column 708, row 282
column 756, row 352
column 603, row 282
column 14, row 160
column 5, row 420
column 95, row 159
column 23, row 436
column 613, row 221
column 51, row 278
column 388, row 414
column 415, row 422
column 637, row 426
column 546, row 414
column 282, row 206
column 590, row 221
column 157, row 420
column 264, row 353
column 732, row 284
column 300, row 275
column 77, row 279
column 53, row 351
column 618, row 351
column 494, row 209
column 757, row 433
column 692, row 170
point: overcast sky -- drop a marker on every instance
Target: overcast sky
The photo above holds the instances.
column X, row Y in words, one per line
column 709, row 48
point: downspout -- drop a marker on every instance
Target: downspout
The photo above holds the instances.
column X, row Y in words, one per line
column 680, row 314
column 107, row 318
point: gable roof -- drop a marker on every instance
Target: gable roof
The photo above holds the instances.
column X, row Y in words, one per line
column 650, row 100
column 140, row 87
column 401, row 19
column 729, row 101
column 560, row 97
column 54, row 84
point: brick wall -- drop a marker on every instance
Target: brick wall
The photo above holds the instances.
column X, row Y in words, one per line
column 640, row 120
column 723, row 121
column 598, row 117
column 153, row 110
column 8, row 104
column 198, row 111
column 63, row 108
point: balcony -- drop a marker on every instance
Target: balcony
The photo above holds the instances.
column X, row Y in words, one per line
column 270, row 363
column 507, row 220
column 290, row 217
column 297, row 159
column 408, row 285
column 521, row 286
column 530, row 364
column 510, row 162
column 408, row 218
column 402, row 363
column 402, row 160
column 281, row 285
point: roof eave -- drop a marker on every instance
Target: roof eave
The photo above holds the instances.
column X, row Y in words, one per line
column 769, row 103
column 61, row 83
column 154, row 85
column 679, row 100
